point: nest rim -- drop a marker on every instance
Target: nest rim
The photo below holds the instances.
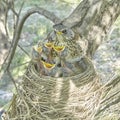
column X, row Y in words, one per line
column 86, row 60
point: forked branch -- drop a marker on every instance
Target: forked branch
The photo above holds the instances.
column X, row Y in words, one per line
column 92, row 19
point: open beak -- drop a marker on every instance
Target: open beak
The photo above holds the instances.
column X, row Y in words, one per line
column 48, row 65
column 37, row 49
column 58, row 48
column 58, row 32
column 49, row 45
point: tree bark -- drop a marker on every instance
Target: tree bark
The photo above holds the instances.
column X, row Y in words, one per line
column 92, row 19
column 3, row 34
column 5, row 6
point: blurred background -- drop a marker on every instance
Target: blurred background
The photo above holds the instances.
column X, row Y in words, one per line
column 106, row 59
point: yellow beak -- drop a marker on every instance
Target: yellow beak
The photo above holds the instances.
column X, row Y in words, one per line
column 48, row 65
column 49, row 45
column 58, row 48
column 38, row 49
column 59, row 32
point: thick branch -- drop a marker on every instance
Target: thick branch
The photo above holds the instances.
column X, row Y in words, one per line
column 77, row 15
column 93, row 19
column 18, row 31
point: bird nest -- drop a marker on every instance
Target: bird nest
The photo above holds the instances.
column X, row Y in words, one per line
column 43, row 97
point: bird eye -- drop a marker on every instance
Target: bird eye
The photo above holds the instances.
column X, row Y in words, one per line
column 64, row 31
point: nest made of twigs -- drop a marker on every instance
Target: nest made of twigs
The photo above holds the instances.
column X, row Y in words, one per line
column 65, row 98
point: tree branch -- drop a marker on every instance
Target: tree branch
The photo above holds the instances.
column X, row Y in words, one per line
column 11, row 77
column 23, row 50
column 77, row 15
column 18, row 30
column 92, row 20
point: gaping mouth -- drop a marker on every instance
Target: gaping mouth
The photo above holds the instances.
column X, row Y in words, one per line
column 38, row 49
column 49, row 45
column 48, row 65
column 58, row 48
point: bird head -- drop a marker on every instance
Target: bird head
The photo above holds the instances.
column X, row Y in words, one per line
column 64, row 31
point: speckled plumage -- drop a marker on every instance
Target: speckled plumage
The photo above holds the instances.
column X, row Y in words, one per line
column 73, row 51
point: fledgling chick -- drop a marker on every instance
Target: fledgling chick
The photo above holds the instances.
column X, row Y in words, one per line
column 36, row 57
column 48, row 67
column 49, row 46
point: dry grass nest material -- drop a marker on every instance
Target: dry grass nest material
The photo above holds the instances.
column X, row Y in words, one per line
column 48, row 98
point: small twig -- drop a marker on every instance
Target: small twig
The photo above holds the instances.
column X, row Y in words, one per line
column 23, row 50
column 21, row 8
column 13, row 10
column 69, row 2
column 4, row 62
column 6, row 18
column 8, row 56
column 15, row 24
column 113, row 81
column 5, row 59
column 9, row 7
column 18, row 17
column 12, row 101
column 21, row 64
column 31, row 44
column 9, row 73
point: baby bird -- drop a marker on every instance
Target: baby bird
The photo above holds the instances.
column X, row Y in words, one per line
column 36, row 56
